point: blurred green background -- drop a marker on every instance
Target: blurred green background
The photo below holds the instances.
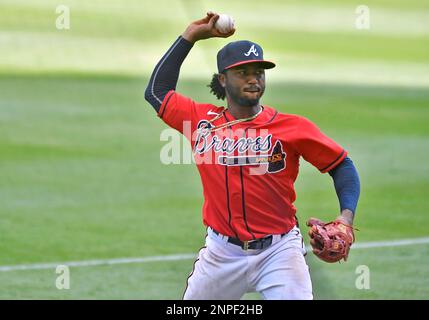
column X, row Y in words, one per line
column 80, row 174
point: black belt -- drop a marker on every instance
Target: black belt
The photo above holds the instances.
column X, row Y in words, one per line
column 251, row 244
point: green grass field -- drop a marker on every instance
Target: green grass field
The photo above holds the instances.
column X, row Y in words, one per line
column 80, row 174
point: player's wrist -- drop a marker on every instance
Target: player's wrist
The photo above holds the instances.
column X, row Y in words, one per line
column 346, row 216
column 188, row 36
column 186, row 41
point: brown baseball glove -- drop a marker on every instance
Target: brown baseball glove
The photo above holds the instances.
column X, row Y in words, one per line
column 330, row 241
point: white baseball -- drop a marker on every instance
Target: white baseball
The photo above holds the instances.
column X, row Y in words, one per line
column 225, row 23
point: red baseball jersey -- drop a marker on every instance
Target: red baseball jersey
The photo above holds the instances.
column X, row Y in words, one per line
column 248, row 169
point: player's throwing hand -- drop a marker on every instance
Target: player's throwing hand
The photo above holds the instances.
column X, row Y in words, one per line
column 205, row 29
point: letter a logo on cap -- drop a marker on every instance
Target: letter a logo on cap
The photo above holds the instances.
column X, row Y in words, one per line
column 252, row 50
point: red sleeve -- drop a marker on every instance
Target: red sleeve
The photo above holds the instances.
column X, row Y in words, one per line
column 182, row 113
column 316, row 148
column 176, row 109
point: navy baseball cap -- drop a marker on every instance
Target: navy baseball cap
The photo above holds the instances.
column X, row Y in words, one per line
column 241, row 52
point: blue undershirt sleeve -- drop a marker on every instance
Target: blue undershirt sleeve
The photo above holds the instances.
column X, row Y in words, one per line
column 347, row 184
column 166, row 73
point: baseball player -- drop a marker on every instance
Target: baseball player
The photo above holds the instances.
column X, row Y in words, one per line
column 248, row 154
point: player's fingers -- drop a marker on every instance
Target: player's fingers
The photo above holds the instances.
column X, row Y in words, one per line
column 314, row 222
column 213, row 20
column 316, row 244
column 231, row 32
column 204, row 20
column 317, row 251
column 226, row 35
column 311, row 234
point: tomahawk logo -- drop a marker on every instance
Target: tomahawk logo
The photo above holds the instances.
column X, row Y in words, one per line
column 252, row 50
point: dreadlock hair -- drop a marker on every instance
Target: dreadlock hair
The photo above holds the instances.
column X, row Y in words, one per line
column 216, row 88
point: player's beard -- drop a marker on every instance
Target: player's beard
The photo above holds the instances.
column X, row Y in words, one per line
column 236, row 95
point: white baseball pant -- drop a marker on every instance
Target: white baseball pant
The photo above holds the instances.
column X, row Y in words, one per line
column 225, row 271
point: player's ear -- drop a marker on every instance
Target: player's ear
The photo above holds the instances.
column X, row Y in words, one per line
column 222, row 79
